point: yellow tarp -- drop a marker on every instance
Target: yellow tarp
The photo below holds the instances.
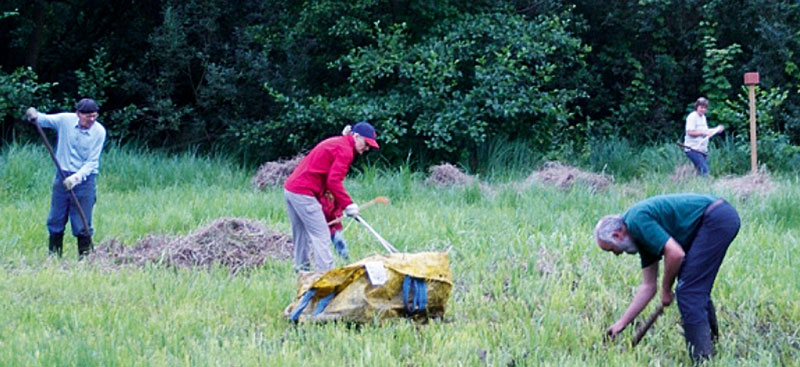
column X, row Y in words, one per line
column 357, row 300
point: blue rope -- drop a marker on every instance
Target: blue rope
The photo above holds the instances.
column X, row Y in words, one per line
column 323, row 303
column 421, row 294
column 302, row 305
column 419, row 299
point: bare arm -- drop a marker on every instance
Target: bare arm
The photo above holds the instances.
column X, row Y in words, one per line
column 673, row 258
column 643, row 295
column 705, row 133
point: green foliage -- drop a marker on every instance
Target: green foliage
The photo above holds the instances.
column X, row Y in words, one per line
column 95, row 82
column 20, row 90
column 735, row 114
column 716, row 62
column 731, row 155
column 777, row 152
column 25, row 171
column 447, row 89
column 644, row 61
column 501, row 159
column 268, row 79
column 9, row 14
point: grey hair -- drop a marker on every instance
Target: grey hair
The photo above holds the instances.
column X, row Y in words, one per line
column 606, row 226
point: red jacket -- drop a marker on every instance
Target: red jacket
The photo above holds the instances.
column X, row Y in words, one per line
column 324, row 169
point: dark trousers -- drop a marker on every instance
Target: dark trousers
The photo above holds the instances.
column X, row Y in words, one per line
column 699, row 270
column 62, row 206
column 700, row 162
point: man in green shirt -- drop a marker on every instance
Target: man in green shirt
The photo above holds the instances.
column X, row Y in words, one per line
column 692, row 232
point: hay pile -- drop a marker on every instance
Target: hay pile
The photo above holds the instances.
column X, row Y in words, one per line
column 683, row 173
column 273, row 174
column 744, row 186
column 564, row 177
column 448, row 175
column 237, row 244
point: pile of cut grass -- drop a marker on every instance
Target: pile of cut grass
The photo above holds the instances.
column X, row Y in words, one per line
column 235, row 243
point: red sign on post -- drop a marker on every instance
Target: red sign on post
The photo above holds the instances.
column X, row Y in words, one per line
column 750, row 78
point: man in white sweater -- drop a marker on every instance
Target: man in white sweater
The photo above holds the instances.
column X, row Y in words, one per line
column 697, row 135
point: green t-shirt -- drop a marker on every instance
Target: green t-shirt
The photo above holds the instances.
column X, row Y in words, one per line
column 653, row 221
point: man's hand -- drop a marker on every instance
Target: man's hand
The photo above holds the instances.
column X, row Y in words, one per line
column 351, row 210
column 613, row 331
column 715, row 131
column 346, row 131
column 31, row 114
column 667, row 296
column 340, row 245
column 72, row 181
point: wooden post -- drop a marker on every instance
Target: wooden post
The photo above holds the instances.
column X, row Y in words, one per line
column 751, row 80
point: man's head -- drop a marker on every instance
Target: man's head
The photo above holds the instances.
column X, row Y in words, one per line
column 701, row 106
column 364, row 135
column 612, row 235
column 87, row 112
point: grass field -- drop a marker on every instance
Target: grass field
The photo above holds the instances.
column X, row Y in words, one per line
column 531, row 287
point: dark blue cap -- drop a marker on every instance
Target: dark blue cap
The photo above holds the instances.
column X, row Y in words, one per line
column 366, row 130
column 87, row 105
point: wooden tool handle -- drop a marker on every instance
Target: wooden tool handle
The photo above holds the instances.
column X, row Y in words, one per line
column 379, row 199
column 650, row 321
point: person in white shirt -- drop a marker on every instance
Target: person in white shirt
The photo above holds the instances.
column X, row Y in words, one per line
column 697, row 135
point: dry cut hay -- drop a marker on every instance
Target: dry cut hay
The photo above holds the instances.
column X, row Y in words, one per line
column 759, row 183
column 564, row 177
column 448, row 175
column 273, row 174
column 237, row 244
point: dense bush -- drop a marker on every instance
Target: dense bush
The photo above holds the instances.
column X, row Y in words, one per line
column 265, row 79
column 491, row 75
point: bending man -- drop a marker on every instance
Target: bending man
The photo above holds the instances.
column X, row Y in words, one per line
column 692, row 232
column 80, row 142
column 323, row 169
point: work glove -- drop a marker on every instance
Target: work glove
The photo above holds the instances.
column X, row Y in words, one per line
column 351, row 210
column 346, row 130
column 72, row 181
column 340, row 245
column 31, row 114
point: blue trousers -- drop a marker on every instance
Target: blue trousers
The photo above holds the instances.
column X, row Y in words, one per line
column 701, row 263
column 62, row 206
column 700, row 162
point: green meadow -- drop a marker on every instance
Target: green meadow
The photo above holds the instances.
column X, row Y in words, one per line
column 531, row 288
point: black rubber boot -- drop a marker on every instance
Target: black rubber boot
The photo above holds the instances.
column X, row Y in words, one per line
column 698, row 340
column 56, row 242
column 712, row 322
column 84, row 246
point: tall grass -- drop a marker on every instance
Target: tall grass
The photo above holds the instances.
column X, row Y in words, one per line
column 530, row 286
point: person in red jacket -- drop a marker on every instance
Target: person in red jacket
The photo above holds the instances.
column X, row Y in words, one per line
column 323, row 169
